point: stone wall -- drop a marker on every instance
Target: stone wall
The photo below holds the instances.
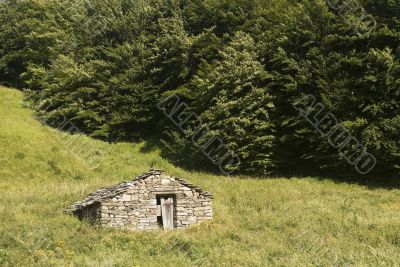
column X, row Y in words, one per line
column 136, row 208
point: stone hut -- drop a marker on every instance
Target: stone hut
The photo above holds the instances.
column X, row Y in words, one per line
column 151, row 201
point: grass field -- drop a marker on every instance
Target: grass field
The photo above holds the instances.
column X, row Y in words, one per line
column 258, row 222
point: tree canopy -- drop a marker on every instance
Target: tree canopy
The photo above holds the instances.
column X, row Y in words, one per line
column 239, row 64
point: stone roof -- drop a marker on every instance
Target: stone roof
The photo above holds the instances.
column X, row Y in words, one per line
column 110, row 192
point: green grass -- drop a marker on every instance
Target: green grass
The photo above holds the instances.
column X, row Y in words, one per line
column 258, row 222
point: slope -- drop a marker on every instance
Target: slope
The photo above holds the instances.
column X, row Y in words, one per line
column 258, row 222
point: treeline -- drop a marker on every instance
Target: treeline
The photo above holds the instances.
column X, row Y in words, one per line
column 240, row 65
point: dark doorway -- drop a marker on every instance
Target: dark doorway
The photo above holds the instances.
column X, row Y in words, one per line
column 165, row 211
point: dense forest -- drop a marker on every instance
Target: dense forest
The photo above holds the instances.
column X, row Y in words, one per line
column 241, row 65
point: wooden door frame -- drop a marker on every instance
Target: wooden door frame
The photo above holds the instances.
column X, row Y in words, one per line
column 159, row 213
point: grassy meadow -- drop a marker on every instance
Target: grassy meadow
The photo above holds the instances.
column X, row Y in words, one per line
column 257, row 222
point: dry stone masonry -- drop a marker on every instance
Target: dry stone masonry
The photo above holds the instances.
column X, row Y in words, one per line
column 150, row 201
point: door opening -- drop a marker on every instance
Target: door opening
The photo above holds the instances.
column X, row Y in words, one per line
column 165, row 211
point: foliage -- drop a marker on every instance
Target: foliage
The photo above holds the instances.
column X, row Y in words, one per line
column 239, row 64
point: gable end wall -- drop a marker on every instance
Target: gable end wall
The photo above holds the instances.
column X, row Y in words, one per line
column 136, row 209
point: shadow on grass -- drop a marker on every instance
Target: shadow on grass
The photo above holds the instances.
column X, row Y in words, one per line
column 183, row 159
column 195, row 163
column 371, row 181
column 190, row 160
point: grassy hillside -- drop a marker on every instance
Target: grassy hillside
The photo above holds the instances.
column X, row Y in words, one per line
column 258, row 222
